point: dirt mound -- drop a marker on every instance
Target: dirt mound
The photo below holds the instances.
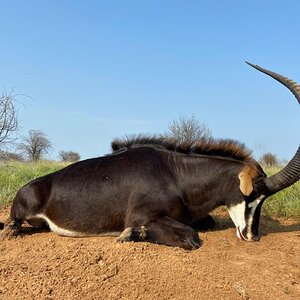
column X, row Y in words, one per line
column 42, row 265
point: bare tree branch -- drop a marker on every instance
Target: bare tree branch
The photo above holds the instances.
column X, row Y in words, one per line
column 35, row 145
column 188, row 129
column 8, row 118
column 269, row 159
column 69, row 156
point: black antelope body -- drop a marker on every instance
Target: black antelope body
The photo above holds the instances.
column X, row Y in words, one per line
column 154, row 189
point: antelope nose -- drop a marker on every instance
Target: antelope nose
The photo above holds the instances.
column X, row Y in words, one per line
column 256, row 238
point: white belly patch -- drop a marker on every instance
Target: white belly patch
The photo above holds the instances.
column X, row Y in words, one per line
column 59, row 230
column 66, row 232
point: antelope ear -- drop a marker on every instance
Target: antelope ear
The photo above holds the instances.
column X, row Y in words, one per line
column 246, row 181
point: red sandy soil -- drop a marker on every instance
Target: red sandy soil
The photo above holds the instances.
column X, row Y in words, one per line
column 43, row 265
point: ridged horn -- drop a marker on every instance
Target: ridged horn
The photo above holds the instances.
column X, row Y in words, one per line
column 291, row 172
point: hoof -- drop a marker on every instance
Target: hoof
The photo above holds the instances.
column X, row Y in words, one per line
column 126, row 235
column 143, row 232
column 131, row 234
column 192, row 243
column 9, row 231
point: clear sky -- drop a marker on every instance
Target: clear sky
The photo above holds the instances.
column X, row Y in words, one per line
column 96, row 70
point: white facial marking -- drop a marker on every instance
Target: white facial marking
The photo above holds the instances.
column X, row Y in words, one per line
column 237, row 215
column 256, row 202
column 253, row 206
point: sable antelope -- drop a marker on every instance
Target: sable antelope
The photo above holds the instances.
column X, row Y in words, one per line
column 154, row 189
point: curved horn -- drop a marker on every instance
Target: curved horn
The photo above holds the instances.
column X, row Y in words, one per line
column 291, row 172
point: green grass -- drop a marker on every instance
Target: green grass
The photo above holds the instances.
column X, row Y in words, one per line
column 13, row 175
column 285, row 203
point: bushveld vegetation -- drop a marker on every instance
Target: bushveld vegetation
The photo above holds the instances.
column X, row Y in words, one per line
column 14, row 174
column 286, row 203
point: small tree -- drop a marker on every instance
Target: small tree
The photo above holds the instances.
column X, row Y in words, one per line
column 69, row 156
column 269, row 159
column 35, row 145
column 188, row 129
column 8, row 118
column 8, row 156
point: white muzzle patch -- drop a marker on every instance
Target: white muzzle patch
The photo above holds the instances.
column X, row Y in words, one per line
column 253, row 205
column 238, row 216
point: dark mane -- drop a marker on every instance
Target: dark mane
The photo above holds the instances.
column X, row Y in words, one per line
column 208, row 146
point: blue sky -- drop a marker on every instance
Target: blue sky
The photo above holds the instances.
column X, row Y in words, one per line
column 96, row 70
